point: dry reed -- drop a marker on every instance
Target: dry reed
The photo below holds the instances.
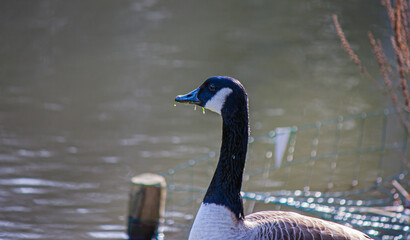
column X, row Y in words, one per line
column 399, row 17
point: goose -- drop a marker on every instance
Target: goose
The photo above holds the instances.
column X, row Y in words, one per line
column 220, row 215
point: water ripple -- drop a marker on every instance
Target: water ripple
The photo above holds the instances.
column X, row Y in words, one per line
column 46, row 183
column 108, row 235
column 28, row 153
column 29, row 190
column 8, row 158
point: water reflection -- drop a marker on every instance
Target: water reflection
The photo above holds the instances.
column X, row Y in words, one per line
column 46, row 183
column 86, row 94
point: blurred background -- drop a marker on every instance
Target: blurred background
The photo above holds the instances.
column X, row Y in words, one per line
column 87, row 90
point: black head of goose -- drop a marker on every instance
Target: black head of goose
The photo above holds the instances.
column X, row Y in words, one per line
column 220, row 215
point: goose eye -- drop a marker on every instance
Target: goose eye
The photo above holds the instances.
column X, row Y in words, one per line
column 212, row 87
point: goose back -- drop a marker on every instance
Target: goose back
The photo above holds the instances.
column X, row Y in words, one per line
column 284, row 225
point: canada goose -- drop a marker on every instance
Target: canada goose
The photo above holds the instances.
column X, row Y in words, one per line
column 220, row 215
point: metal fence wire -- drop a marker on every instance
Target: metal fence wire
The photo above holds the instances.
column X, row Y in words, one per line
column 352, row 169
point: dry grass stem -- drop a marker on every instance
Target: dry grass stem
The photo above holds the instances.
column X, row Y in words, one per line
column 384, row 59
column 383, row 66
column 351, row 53
column 390, row 11
column 399, row 17
column 400, row 44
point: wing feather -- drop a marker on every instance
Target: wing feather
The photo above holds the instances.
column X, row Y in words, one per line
column 289, row 225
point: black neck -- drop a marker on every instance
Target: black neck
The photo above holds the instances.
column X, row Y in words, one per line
column 226, row 183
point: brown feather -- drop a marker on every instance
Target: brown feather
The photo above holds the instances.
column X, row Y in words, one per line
column 289, row 225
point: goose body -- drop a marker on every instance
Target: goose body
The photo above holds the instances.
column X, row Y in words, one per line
column 220, row 215
column 217, row 222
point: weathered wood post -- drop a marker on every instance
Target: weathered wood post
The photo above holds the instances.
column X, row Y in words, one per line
column 146, row 205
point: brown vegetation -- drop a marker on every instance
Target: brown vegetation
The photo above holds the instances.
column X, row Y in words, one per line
column 395, row 77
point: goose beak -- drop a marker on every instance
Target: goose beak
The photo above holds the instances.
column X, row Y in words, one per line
column 191, row 97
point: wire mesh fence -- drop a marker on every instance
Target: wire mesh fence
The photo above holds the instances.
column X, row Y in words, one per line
column 351, row 169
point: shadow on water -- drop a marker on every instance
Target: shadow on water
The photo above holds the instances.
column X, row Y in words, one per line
column 87, row 89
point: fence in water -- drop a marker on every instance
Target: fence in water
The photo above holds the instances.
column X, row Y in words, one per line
column 353, row 170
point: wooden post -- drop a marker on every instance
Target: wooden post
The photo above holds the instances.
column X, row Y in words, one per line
column 146, row 205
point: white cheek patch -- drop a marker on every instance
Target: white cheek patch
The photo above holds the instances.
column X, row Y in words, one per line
column 216, row 103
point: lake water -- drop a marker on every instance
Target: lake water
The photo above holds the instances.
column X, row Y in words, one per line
column 87, row 90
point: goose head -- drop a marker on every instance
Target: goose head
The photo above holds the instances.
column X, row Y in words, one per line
column 223, row 95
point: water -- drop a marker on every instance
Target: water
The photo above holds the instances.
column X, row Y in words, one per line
column 87, row 89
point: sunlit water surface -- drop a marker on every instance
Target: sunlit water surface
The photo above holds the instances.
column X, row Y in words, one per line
column 87, row 89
